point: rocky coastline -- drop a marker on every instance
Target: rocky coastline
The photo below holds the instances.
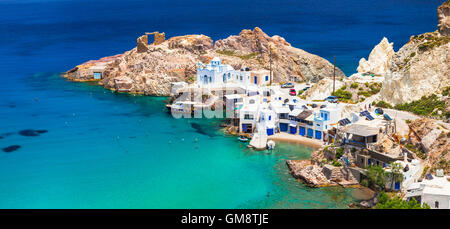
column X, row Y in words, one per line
column 315, row 172
column 150, row 69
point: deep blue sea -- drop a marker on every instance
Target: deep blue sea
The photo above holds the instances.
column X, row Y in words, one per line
column 82, row 146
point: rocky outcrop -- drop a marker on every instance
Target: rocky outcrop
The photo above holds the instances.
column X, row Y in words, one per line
column 142, row 44
column 151, row 68
column 378, row 61
column 443, row 14
column 286, row 60
column 419, row 68
column 433, row 139
column 197, row 44
column 322, row 89
column 310, row 174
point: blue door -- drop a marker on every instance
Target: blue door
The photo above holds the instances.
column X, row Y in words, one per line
column 293, row 129
column 310, row 133
column 256, row 80
column 318, row 134
column 283, row 127
column 397, row 186
column 269, row 131
column 244, row 127
column 302, row 131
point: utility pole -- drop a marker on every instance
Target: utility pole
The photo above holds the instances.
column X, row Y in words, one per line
column 334, row 74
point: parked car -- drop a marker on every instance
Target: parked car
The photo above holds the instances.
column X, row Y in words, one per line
column 287, row 85
column 292, row 92
column 306, row 88
column 332, row 99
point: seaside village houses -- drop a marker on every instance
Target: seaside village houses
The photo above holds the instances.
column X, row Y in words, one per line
column 262, row 111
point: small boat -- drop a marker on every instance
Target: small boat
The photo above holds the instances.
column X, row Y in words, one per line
column 243, row 139
column 270, row 145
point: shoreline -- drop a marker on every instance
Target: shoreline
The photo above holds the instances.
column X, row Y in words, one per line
column 290, row 138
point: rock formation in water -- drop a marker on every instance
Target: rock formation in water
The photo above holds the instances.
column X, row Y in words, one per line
column 378, row 61
column 150, row 69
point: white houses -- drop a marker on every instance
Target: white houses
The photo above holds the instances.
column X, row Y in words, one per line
column 249, row 114
column 216, row 74
column 435, row 192
column 267, row 121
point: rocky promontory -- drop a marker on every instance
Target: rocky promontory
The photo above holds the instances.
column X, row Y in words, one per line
column 151, row 68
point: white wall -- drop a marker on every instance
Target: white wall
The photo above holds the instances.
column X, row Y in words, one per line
column 444, row 200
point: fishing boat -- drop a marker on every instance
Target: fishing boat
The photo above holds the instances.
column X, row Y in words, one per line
column 270, row 145
column 243, row 139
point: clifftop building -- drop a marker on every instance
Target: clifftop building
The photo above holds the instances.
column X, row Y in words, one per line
column 216, row 74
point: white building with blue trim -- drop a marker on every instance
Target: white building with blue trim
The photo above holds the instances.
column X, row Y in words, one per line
column 216, row 74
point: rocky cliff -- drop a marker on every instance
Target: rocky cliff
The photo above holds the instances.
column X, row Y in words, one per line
column 150, row 69
column 420, row 67
column 378, row 61
column 443, row 13
column 433, row 139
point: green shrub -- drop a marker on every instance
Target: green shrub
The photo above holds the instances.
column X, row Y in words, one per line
column 418, row 152
column 382, row 104
column 376, row 176
column 364, row 93
column 339, row 152
column 386, row 202
column 424, row 106
column 342, row 94
column 354, row 85
column 446, row 91
column 336, row 163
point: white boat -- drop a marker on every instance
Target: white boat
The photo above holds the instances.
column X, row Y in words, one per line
column 270, row 144
column 243, row 139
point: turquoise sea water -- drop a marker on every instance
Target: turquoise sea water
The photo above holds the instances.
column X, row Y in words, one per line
column 108, row 150
column 91, row 148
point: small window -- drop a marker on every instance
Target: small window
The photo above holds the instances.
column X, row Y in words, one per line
column 436, row 204
column 270, row 117
column 267, row 78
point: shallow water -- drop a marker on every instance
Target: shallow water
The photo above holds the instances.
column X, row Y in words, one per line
column 82, row 146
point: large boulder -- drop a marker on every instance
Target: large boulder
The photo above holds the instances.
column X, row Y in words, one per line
column 310, row 174
column 191, row 43
column 378, row 61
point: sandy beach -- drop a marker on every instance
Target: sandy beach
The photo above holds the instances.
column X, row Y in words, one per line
column 295, row 138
